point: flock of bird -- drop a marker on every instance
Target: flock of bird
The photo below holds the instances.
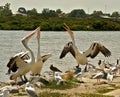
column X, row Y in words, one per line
column 21, row 63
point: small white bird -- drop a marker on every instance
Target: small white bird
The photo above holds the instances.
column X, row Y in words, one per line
column 57, row 77
column 115, row 68
column 110, row 76
column 99, row 76
column 30, row 91
column 5, row 93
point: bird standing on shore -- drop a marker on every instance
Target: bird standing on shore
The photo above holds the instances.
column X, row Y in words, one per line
column 32, row 64
column 99, row 76
column 81, row 57
column 30, row 91
column 26, row 66
column 54, row 69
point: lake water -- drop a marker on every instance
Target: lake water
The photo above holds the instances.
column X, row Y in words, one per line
column 53, row 42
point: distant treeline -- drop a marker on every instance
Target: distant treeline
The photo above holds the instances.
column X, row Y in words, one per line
column 52, row 20
column 56, row 24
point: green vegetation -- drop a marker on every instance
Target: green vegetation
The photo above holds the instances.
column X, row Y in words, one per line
column 66, row 85
column 50, row 94
column 105, row 90
column 52, row 20
column 56, row 94
column 56, row 23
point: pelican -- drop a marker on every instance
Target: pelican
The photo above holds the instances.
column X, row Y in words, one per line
column 30, row 91
column 29, row 63
column 36, row 69
column 24, row 55
column 12, row 65
column 81, row 57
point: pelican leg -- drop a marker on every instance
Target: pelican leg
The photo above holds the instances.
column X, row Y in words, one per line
column 85, row 69
column 22, row 78
column 26, row 80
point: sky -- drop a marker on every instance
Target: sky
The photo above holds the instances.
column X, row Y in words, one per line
column 106, row 6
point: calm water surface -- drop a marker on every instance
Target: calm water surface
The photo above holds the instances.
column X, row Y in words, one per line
column 53, row 42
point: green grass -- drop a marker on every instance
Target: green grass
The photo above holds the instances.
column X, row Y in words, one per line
column 92, row 95
column 56, row 94
column 21, row 94
column 67, row 85
column 104, row 90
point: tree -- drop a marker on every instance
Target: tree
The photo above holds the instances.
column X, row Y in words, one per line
column 7, row 6
column 49, row 13
column 32, row 12
column 115, row 14
column 78, row 13
column 5, row 10
column 58, row 12
column 97, row 13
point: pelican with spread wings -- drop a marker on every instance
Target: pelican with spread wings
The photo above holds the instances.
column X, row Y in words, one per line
column 81, row 58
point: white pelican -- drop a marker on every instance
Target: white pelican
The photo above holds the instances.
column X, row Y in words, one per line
column 36, row 69
column 30, row 91
column 12, row 64
column 5, row 93
column 14, row 67
column 31, row 64
column 26, row 66
column 81, row 58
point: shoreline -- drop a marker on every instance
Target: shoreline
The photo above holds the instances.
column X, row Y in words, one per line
column 88, row 87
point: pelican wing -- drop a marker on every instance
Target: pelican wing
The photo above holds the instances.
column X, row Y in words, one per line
column 67, row 48
column 104, row 50
column 95, row 48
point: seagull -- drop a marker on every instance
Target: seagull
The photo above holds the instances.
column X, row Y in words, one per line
column 110, row 76
column 115, row 68
column 30, row 91
column 54, row 69
column 5, row 93
column 57, row 77
column 81, row 57
column 99, row 76
column 102, row 64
